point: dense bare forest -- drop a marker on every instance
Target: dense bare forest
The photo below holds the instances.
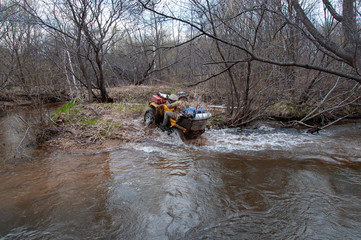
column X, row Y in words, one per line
column 300, row 58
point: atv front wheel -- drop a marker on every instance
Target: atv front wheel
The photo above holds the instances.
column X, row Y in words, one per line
column 149, row 116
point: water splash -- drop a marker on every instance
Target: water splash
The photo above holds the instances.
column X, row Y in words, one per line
column 256, row 140
column 332, row 146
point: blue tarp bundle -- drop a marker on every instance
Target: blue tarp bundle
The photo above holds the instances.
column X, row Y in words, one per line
column 191, row 110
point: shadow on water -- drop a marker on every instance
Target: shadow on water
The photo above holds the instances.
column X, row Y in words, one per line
column 18, row 132
column 266, row 183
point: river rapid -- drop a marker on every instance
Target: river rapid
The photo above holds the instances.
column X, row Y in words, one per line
column 264, row 183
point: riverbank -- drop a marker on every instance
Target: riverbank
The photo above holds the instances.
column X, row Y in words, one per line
column 80, row 126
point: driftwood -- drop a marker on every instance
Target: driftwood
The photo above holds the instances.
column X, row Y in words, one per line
column 330, row 124
column 316, row 129
column 217, row 106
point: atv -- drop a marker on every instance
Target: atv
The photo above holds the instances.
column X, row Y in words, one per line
column 190, row 124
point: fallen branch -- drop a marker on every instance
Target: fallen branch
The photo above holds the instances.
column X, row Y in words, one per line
column 313, row 129
column 330, row 124
column 217, row 106
column 302, row 123
column 309, row 116
column 22, row 140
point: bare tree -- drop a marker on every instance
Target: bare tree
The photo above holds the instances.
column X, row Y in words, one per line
column 92, row 26
column 22, row 41
column 349, row 51
column 248, row 35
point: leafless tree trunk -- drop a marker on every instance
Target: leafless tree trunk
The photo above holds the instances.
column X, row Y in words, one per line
column 255, row 40
column 350, row 51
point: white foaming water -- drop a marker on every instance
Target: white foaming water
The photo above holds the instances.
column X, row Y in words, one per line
column 264, row 138
column 148, row 149
column 328, row 145
column 229, row 140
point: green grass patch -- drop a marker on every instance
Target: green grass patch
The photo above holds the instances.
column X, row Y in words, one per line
column 88, row 122
column 68, row 109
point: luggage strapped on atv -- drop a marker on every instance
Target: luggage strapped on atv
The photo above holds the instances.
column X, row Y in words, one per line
column 191, row 121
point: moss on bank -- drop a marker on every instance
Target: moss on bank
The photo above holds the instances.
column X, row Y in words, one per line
column 97, row 121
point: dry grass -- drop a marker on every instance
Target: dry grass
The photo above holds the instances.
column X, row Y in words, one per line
column 84, row 126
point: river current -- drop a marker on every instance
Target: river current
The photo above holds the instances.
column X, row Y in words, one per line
column 267, row 183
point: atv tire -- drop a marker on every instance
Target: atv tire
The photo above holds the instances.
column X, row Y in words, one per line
column 149, row 117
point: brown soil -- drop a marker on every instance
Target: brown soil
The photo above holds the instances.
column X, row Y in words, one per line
column 97, row 127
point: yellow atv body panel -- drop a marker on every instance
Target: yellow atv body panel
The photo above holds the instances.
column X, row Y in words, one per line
column 164, row 107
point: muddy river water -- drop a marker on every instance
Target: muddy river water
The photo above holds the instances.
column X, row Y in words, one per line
column 256, row 184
